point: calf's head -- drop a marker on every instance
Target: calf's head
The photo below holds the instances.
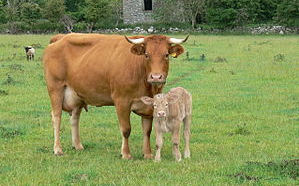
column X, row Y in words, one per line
column 156, row 50
column 161, row 103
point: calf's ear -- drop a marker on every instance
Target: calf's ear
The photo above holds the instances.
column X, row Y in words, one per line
column 138, row 49
column 172, row 98
column 147, row 100
column 176, row 50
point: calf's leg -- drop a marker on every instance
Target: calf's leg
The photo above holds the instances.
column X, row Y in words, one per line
column 187, row 123
column 123, row 113
column 176, row 141
column 147, row 129
column 159, row 143
column 75, row 128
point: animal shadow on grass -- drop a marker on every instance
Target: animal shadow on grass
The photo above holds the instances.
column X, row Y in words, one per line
column 284, row 168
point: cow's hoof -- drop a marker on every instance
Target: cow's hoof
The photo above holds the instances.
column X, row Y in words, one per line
column 148, row 156
column 79, row 147
column 58, row 152
column 126, row 156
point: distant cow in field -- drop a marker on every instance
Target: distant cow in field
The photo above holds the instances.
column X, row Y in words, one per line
column 170, row 110
column 106, row 70
column 30, row 52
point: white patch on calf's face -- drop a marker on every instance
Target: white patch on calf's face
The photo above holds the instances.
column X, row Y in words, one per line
column 160, row 104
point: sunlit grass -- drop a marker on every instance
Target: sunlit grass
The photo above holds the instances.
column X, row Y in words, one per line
column 245, row 115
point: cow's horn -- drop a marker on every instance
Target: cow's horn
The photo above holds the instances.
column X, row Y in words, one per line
column 135, row 41
column 177, row 41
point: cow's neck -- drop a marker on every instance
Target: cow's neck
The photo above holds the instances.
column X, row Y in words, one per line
column 154, row 89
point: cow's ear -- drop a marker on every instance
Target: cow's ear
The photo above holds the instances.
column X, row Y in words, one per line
column 147, row 100
column 176, row 50
column 172, row 98
column 138, row 49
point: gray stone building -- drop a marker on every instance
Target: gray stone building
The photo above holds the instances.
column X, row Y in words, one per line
column 138, row 11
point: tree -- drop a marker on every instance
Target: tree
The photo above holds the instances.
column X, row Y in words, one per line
column 2, row 13
column 193, row 9
column 54, row 10
column 30, row 12
column 288, row 12
column 167, row 11
column 230, row 13
column 96, row 11
column 116, row 7
column 68, row 23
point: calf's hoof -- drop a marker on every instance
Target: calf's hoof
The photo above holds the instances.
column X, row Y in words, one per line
column 58, row 152
column 187, row 155
column 178, row 159
column 78, row 147
column 157, row 159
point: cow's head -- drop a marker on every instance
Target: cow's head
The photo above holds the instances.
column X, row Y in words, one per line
column 156, row 50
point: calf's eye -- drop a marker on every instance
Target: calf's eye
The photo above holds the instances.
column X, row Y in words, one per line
column 166, row 105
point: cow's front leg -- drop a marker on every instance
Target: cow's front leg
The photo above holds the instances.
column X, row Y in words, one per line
column 176, row 141
column 123, row 113
column 159, row 143
column 147, row 129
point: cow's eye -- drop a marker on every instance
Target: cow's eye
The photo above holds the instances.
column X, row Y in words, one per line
column 167, row 56
column 155, row 105
column 166, row 105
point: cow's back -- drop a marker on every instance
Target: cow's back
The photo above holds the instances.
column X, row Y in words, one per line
column 95, row 66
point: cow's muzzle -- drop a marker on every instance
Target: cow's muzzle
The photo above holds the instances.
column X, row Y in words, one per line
column 156, row 78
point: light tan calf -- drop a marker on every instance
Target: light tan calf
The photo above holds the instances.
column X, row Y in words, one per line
column 170, row 110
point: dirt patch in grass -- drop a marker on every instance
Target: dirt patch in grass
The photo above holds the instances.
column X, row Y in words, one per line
column 268, row 171
column 3, row 93
column 9, row 133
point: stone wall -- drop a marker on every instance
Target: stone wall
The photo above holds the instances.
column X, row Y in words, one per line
column 133, row 12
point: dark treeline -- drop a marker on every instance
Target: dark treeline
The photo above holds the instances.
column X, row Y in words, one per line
column 44, row 16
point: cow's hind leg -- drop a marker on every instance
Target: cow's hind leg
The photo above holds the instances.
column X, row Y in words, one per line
column 56, row 96
column 123, row 113
column 75, row 128
column 147, row 129
column 187, row 123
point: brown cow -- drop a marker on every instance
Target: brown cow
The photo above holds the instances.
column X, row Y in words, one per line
column 106, row 70
column 56, row 38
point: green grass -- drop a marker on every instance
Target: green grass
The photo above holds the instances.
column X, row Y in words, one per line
column 244, row 132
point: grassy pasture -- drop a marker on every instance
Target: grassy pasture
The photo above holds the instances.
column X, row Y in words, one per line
column 245, row 120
